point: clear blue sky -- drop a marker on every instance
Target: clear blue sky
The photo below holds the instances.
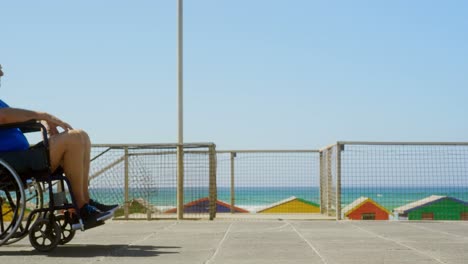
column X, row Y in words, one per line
column 259, row 74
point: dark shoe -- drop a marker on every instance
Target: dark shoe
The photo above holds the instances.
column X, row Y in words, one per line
column 90, row 213
column 103, row 207
column 90, row 217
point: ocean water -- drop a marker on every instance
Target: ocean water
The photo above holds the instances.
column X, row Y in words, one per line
column 255, row 197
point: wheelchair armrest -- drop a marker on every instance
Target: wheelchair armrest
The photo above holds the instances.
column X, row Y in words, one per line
column 28, row 127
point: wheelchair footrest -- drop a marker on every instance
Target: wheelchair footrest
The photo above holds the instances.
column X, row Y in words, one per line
column 93, row 225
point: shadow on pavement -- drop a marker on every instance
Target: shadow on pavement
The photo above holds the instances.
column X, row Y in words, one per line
column 81, row 251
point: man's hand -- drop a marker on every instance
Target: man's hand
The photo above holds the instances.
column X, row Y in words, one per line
column 53, row 123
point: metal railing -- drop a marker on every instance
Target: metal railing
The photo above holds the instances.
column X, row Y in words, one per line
column 346, row 180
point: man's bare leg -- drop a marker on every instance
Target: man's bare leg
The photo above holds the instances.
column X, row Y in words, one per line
column 86, row 164
column 67, row 149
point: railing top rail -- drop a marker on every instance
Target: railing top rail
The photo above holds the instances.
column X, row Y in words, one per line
column 402, row 143
column 153, row 145
column 396, row 143
column 270, row 151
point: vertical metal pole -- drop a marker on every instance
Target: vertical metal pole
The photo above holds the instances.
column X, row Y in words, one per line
column 233, row 198
column 338, row 181
column 126, row 184
column 180, row 103
column 213, row 186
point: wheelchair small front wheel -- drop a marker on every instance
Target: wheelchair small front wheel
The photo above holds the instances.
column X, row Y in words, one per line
column 45, row 235
column 67, row 232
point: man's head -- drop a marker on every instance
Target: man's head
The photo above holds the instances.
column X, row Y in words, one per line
column 1, row 72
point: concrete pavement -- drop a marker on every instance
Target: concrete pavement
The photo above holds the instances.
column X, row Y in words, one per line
column 256, row 241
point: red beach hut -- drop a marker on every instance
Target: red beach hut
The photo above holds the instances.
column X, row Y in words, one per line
column 365, row 208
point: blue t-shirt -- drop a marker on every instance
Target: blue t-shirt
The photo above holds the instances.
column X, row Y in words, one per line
column 12, row 139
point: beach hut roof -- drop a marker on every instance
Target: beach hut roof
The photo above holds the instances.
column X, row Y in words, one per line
column 202, row 204
column 414, row 205
column 292, row 198
column 358, row 202
column 426, row 201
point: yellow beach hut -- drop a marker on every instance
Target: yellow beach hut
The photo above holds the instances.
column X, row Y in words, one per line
column 291, row 205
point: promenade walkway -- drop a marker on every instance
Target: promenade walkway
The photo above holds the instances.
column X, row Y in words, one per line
column 256, row 241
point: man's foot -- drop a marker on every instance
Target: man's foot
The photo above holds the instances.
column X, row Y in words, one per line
column 103, row 207
column 90, row 217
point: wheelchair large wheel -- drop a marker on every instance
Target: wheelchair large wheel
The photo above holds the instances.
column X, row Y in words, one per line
column 12, row 202
column 45, row 234
column 34, row 200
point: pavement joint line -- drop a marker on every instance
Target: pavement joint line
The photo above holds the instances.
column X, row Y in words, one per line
column 440, row 232
column 112, row 252
column 400, row 243
column 308, row 243
column 218, row 247
column 263, row 230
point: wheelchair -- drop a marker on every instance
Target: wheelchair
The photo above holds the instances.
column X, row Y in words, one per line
column 34, row 201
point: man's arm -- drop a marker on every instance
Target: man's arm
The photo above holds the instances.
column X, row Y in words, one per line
column 16, row 115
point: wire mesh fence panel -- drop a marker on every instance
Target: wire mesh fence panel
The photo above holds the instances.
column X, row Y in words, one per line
column 404, row 181
column 197, row 183
column 226, row 193
column 107, row 175
column 268, row 182
column 152, row 181
column 144, row 179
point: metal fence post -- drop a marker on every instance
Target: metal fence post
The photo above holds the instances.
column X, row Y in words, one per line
column 321, row 183
column 213, row 192
column 329, row 180
column 180, row 182
column 148, row 212
column 338, row 181
column 233, row 198
column 126, row 184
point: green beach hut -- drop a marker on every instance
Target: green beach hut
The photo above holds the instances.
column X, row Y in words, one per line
column 434, row 207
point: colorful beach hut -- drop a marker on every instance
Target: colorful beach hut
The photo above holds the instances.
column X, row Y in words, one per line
column 292, row 205
column 6, row 212
column 434, row 207
column 203, row 206
column 364, row 208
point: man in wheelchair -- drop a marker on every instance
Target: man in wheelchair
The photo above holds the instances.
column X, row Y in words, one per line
column 69, row 150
